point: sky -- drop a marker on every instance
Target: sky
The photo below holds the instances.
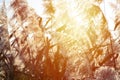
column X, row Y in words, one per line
column 0, row 1
column 36, row 4
column 105, row 6
column 5, row 0
column 109, row 12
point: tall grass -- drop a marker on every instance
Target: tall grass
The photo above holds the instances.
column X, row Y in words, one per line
column 46, row 50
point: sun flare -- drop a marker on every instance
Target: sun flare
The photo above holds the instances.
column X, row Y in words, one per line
column 74, row 20
column 59, row 40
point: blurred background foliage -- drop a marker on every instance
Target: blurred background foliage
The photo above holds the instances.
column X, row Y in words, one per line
column 72, row 42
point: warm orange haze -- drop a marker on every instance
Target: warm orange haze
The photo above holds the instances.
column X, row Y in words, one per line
column 59, row 40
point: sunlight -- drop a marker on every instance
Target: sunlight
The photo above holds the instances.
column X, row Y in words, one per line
column 75, row 18
column 59, row 40
column 105, row 6
column 76, row 24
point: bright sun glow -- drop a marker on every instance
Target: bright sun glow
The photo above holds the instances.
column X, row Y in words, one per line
column 59, row 40
column 75, row 17
column 105, row 7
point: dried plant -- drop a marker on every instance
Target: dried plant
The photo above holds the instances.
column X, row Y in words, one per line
column 73, row 43
column 106, row 73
